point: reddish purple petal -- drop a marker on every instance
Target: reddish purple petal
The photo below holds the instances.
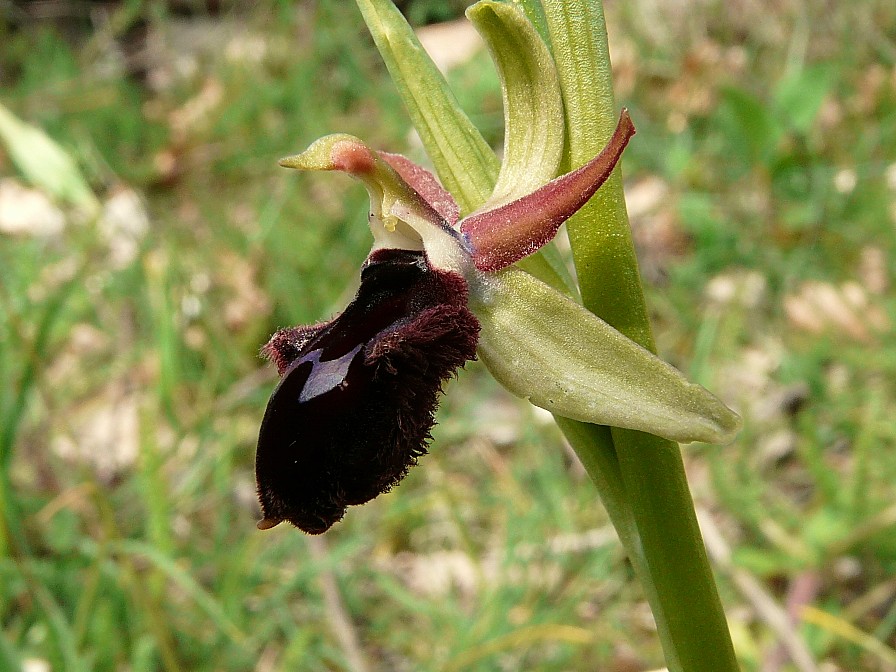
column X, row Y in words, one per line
column 503, row 236
column 355, row 407
column 424, row 183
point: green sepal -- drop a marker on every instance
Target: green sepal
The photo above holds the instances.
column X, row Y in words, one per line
column 399, row 217
column 546, row 348
column 348, row 154
column 533, row 104
column 462, row 158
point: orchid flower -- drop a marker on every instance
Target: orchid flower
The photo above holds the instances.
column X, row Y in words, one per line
column 355, row 405
column 357, row 396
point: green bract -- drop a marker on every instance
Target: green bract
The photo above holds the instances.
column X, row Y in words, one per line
column 550, row 350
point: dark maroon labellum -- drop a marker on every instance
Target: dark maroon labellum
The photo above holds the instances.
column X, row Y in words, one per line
column 355, row 406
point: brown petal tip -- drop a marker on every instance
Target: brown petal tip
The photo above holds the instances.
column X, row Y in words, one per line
column 504, row 235
column 353, row 158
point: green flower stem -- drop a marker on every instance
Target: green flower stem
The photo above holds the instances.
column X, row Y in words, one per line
column 531, row 91
column 648, row 473
column 594, row 446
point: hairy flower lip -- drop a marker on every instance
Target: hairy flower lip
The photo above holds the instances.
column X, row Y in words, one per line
column 353, row 410
column 435, row 286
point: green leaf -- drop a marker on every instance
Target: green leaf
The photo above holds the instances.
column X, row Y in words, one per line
column 533, row 105
column 187, row 585
column 799, row 95
column 752, row 129
column 45, row 163
column 550, row 350
column 462, row 158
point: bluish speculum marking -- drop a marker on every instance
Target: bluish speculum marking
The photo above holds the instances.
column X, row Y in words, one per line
column 326, row 375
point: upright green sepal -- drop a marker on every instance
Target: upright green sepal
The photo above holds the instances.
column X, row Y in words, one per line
column 552, row 351
column 533, row 104
column 463, row 159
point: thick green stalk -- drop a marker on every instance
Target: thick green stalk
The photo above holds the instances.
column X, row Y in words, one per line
column 594, row 446
column 679, row 582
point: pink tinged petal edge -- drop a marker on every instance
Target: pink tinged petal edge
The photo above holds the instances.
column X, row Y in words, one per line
column 503, row 236
column 410, row 183
column 398, row 179
column 353, row 158
column 425, row 184
column 395, row 176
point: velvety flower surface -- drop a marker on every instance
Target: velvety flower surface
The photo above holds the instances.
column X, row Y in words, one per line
column 355, row 405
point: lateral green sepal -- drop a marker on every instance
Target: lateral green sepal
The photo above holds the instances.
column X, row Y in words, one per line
column 546, row 348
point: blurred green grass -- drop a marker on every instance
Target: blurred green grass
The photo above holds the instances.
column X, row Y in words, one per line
column 762, row 185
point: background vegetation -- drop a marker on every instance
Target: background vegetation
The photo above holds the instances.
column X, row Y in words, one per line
column 762, row 188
